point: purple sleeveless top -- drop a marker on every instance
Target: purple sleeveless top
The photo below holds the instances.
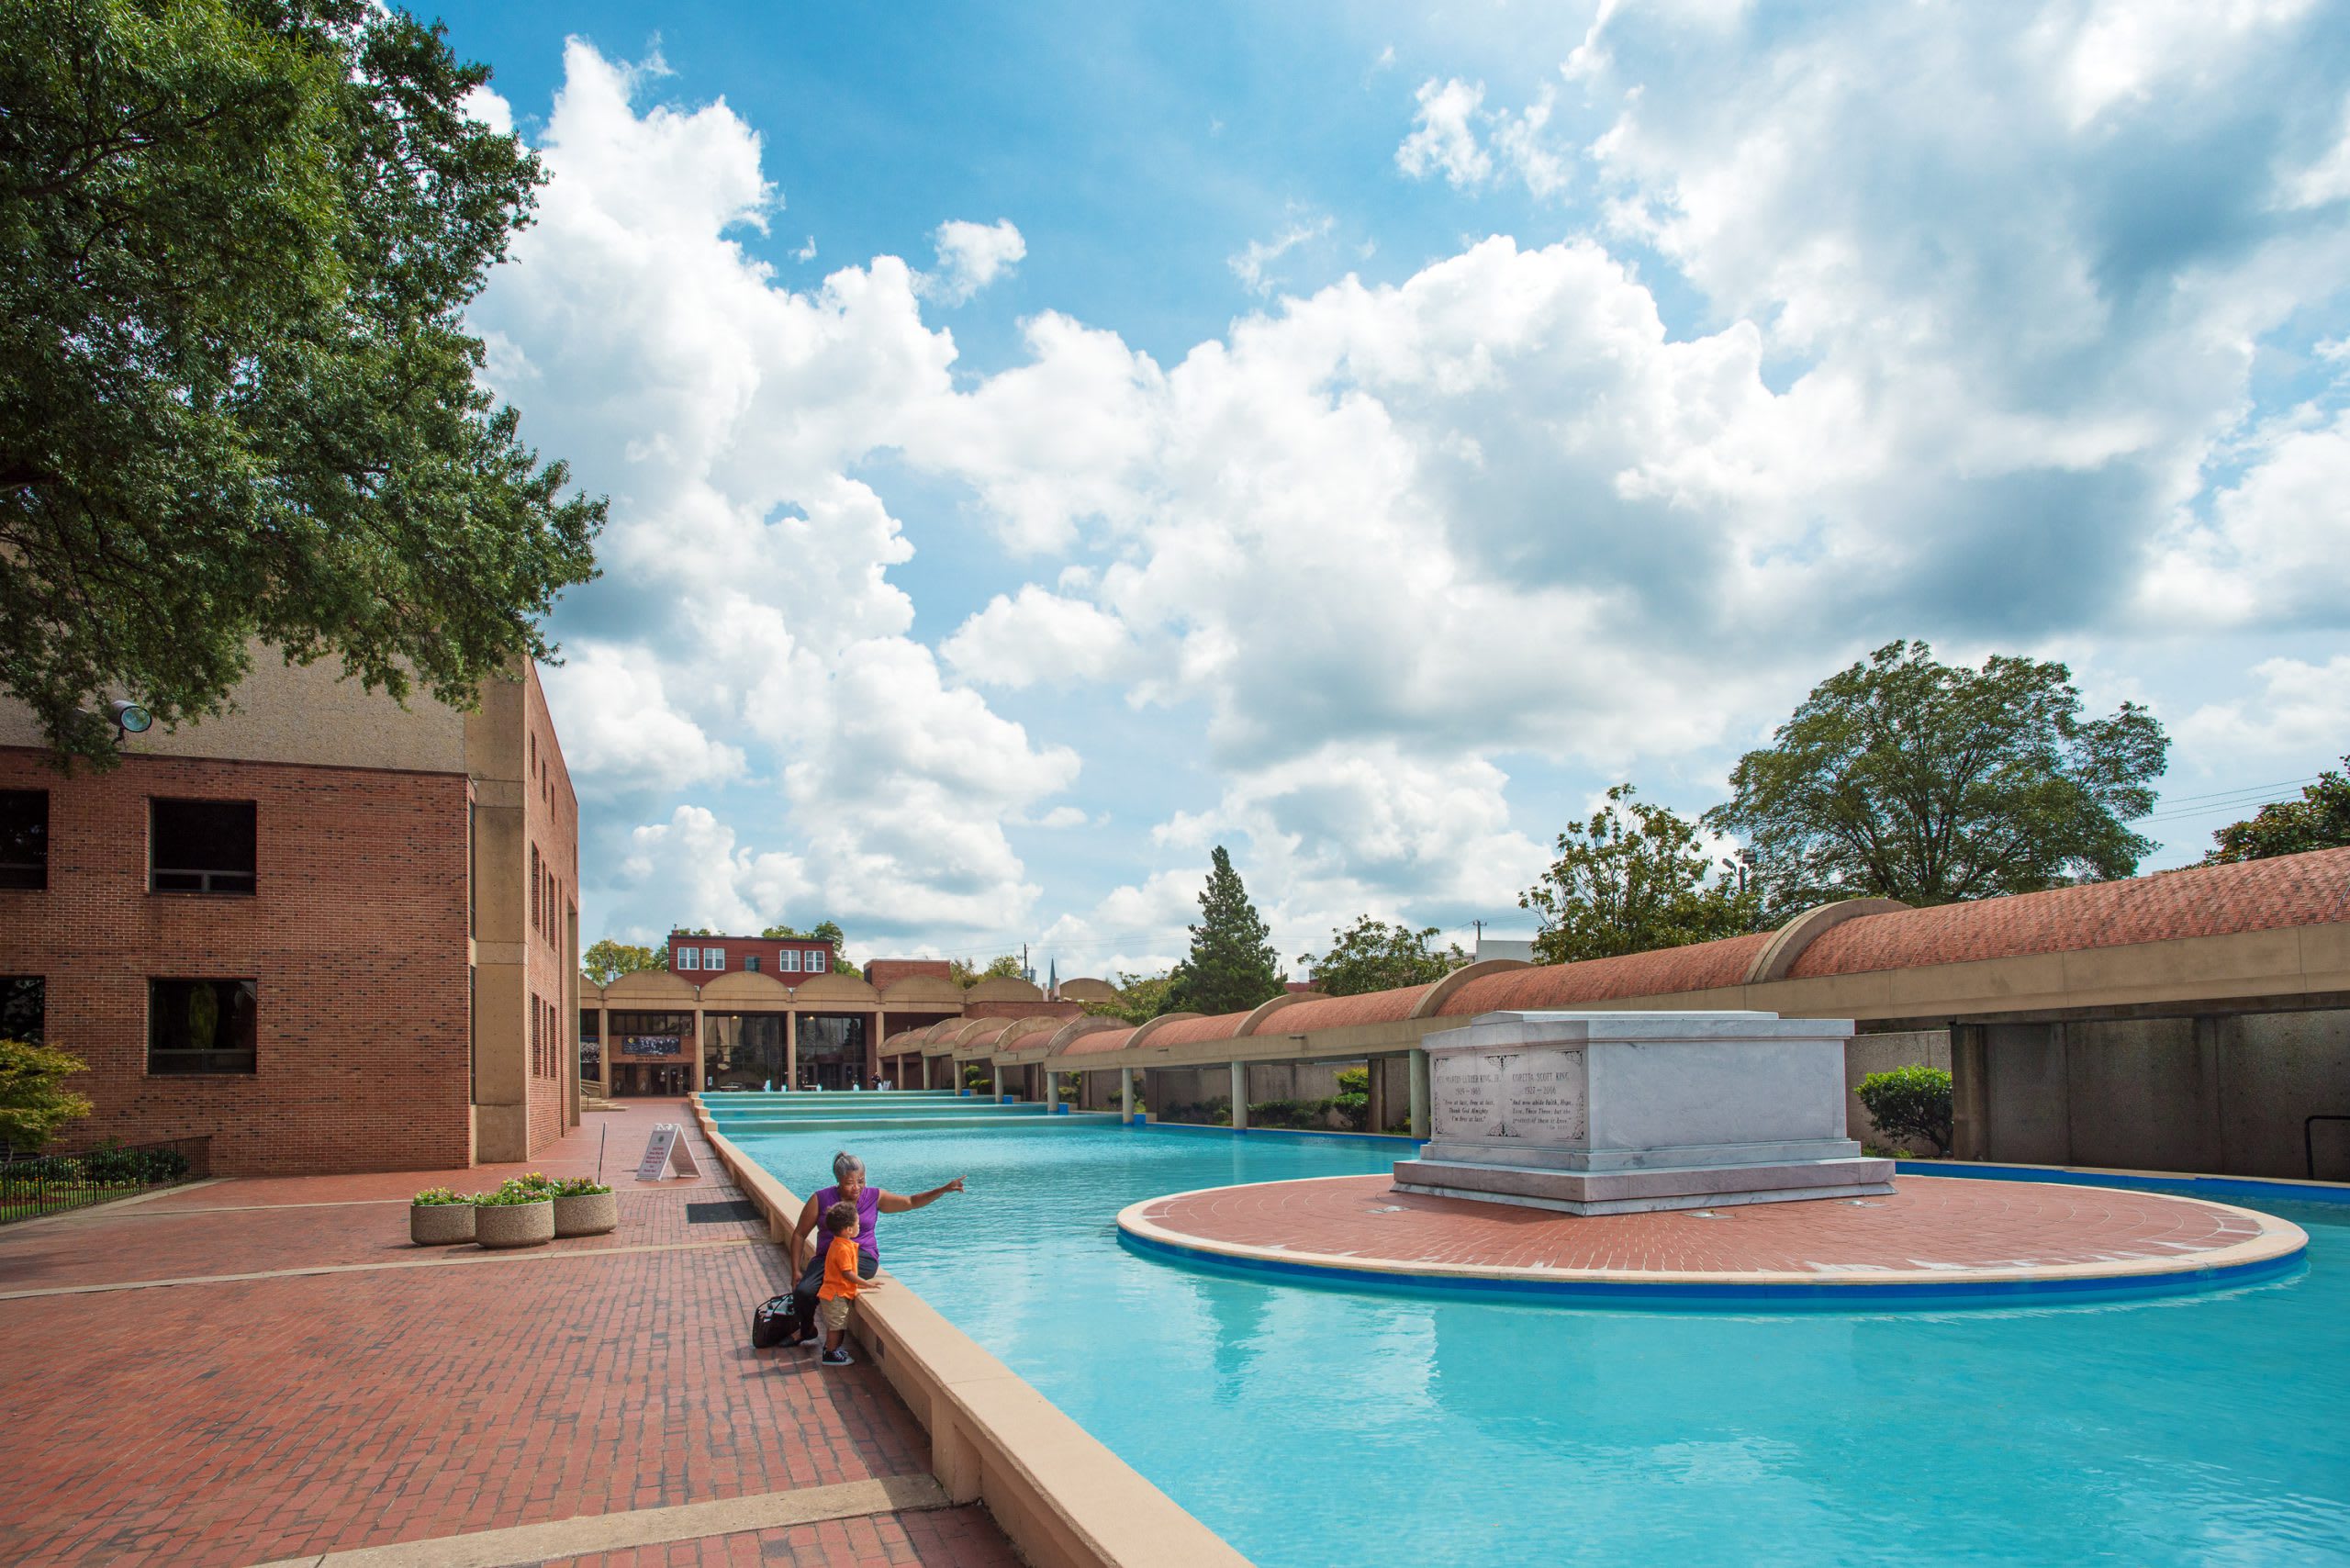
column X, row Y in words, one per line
column 869, row 1209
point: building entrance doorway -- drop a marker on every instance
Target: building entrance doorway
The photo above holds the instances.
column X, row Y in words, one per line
column 743, row 1051
column 832, row 1051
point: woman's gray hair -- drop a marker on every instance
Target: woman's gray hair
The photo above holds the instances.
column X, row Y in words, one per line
column 842, row 1163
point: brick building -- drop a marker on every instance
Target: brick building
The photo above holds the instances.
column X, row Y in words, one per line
column 326, row 932
column 786, row 959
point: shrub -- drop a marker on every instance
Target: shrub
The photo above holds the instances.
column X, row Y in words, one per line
column 440, row 1197
column 1354, row 1080
column 1910, row 1103
column 34, row 1103
column 112, row 1165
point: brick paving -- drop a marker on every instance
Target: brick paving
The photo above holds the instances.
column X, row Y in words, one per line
column 1928, row 1223
column 224, row 1423
column 955, row 1536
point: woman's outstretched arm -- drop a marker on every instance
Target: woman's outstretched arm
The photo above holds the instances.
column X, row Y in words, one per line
column 897, row 1203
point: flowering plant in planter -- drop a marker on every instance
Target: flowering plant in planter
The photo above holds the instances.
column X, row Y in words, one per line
column 439, row 1217
column 583, row 1207
column 510, row 1194
column 521, row 1213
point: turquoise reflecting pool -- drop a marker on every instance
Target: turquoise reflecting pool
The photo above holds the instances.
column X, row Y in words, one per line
column 1315, row 1427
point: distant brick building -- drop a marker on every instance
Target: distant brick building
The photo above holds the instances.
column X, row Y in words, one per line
column 326, row 932
column 786, row 959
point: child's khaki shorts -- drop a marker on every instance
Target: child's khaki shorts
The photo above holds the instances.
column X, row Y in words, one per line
column 833, row 1314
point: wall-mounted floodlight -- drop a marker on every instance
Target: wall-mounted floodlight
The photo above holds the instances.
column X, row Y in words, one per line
column 129, row 717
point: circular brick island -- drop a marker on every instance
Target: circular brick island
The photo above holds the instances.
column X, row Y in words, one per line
column 1931, row 1241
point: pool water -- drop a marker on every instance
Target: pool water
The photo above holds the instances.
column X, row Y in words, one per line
column 1319, row 1427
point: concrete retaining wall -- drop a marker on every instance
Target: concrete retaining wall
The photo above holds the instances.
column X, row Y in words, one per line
column 1063, row 1499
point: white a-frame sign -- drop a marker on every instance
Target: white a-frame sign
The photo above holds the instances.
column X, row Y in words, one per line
column 666, row 1155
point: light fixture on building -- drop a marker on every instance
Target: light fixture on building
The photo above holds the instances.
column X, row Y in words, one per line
column 129, row 718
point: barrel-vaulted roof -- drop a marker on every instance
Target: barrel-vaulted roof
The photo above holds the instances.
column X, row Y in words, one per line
column 2201, row 900
column 1343, row 1012
column 848, row 990
column 744, row 986
column 1003, row 987
column 1094, row 1045
column 1702, row 967
column 649, row 988
column 930, row 992
column 1196, row 1031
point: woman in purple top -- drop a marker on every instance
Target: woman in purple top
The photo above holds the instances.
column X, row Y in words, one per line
column 849, row 1186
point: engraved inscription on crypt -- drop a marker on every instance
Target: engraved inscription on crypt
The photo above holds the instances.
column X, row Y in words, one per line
column 1529, row 1093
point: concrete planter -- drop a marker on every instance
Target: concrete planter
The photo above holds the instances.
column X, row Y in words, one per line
column 590, row 1214
column 440, row 1224
column 515, row 1224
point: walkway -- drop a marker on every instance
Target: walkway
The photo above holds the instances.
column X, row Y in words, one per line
column 265, row 1371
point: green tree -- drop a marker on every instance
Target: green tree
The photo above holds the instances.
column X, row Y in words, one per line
column 1141, row 998
column 606, row 960
column 1231, row 965
column 1907, row 778
column 2318, row 820
column 1372, row 954
column 1632, row 879
column 966, row 975
column 34, row 1101
column 237, row 400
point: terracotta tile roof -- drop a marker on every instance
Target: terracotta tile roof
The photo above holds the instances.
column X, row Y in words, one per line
column 1192, row 1031
column 1702, row 966
column 1095, row 1044
column 1344, row 1012
column 2201, row 900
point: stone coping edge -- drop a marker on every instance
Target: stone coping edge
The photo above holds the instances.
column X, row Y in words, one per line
column 1063, row 1497
column 2276, row 1250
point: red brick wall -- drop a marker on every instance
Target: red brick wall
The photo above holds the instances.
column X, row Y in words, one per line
column 768, row 951
column 883, row 973
column 355, row 934
column 551, row 825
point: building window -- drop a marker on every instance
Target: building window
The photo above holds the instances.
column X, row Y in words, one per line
column 537, row 887
column 788, row 961
column 713, row 957
column 815, row 963
column 538, row 1022
column 201, row 847
column 750, row 963
column 23, row 1007
column 200, row 1025
column 688, row 957
column 24, row 838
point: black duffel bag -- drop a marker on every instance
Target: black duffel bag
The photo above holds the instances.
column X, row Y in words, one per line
column 773, row 1321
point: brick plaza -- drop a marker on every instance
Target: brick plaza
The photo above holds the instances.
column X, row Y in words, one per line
column 261, row 1369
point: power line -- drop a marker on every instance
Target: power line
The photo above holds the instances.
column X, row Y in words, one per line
column 2171, row 801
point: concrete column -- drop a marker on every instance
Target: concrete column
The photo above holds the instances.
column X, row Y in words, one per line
column 1420, row 1094
column 1126, row 1094
column 790, row 1049
column 1052, row 1091
column 999, row 1081
column 1240, row 1096
column 1969, row 1092
column 695, row 1071
column 604, row 1052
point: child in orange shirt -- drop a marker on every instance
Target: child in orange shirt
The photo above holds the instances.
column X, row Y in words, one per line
column 841, row 1284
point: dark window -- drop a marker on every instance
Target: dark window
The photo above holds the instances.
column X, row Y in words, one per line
column 200, row 1025
column 750, row 963
column 23, row 1007
column 24, row 838
column 653, row 1023
column 202, row 846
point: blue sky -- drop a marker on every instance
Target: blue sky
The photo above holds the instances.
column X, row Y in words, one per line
column 1047, row 442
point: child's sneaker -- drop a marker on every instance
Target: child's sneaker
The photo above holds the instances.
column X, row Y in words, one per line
column 839, row 1358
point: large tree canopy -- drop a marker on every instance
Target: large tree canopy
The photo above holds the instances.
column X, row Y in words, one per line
column 1231, row 964
column 1633, row 877
column 1907, row 778
column 237, row 400
column 2318, row 820
column 1372, row 954
column 605, row 961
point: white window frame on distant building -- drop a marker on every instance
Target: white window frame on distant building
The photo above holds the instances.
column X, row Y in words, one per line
column 815, row 963
column 788, row 961
column 713, row 957
column 688, row 957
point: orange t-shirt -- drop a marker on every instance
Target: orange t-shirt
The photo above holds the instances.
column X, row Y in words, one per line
column 840, row 1270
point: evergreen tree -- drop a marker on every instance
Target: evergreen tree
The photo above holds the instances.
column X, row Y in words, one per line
column 1231, row 963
